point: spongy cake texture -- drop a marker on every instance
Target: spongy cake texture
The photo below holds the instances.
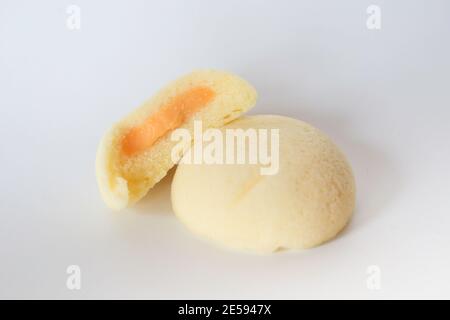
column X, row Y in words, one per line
column 124, row 180
column 306, row 203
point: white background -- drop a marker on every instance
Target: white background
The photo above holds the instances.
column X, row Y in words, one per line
column 382, row 95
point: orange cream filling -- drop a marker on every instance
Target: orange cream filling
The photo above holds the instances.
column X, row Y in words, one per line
column 169, row 117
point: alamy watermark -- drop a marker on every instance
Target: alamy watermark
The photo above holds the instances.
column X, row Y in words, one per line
column 73, row 20
column 229, row 146
column 73, row 281
column 373, row 281
column 373, row 21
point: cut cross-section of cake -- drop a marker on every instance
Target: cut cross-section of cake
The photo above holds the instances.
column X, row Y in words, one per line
column 135, row 153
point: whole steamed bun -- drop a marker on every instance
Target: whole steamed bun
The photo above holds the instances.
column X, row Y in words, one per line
column 307, row 201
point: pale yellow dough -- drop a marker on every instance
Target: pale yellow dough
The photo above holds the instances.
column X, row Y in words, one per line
column 307, row 203
column 124, row 177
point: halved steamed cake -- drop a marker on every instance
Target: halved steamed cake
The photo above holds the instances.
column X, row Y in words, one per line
column 136, row 152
